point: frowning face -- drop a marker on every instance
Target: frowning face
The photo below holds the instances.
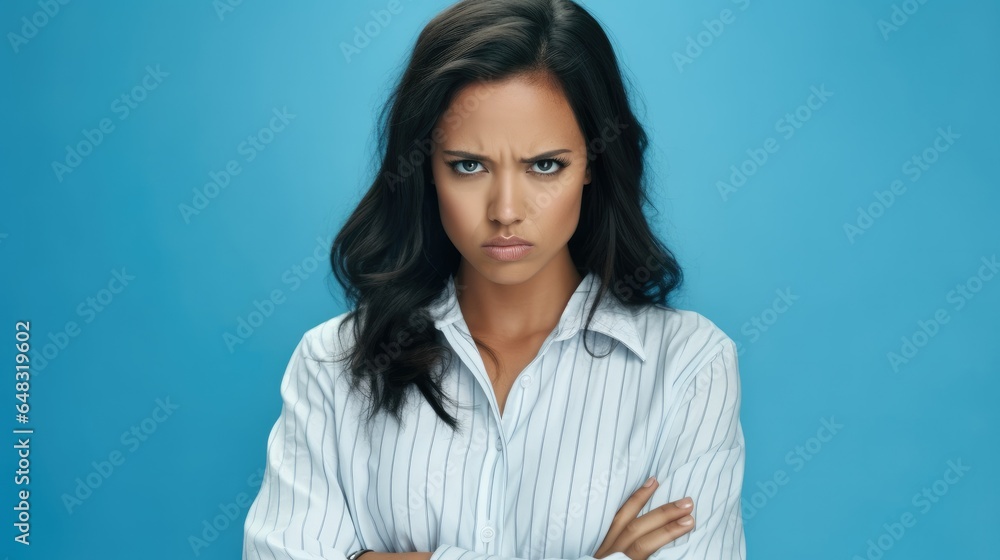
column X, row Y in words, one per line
column 510, row 161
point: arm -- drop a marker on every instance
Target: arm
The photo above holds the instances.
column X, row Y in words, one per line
column 395, row 556
column 701, row 454
column 300, row 512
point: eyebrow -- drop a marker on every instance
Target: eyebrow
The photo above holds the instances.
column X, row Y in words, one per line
column 533, row 159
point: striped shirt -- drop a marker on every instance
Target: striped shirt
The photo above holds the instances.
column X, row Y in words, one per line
column 577, row 437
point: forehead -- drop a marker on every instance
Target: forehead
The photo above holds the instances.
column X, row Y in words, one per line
column 522, row 109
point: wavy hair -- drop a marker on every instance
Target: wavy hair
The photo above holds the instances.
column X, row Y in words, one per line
column 392, row 256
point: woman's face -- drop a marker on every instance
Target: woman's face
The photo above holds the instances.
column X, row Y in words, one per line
column 509, row 159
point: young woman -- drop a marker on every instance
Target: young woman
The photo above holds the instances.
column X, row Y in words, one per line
column 511, row 381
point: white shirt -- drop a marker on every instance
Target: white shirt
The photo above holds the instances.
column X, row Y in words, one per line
column 577, row 437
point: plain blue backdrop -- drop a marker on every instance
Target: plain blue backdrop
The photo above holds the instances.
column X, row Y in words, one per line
column 825, row 172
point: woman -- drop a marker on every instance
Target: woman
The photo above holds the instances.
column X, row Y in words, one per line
column 505, row 229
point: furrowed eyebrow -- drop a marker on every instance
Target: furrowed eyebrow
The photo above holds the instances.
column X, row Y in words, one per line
column 533, row 159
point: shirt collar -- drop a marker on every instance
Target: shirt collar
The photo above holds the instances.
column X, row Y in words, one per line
column 611, row 318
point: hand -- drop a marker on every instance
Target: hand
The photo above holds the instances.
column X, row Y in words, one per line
column 396, row 556
column 642, row 536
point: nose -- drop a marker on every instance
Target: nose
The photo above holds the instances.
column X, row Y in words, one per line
column 506, row 198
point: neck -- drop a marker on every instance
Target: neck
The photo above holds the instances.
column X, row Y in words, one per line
column 514, row 311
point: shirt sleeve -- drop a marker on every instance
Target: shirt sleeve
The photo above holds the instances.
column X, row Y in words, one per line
column 300, row 512
column 701, row 454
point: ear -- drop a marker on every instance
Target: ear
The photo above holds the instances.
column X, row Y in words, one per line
column 586, row 179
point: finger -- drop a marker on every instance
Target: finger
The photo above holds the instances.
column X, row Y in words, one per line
column 656, row 519
column 661, row 536
column 627, row 513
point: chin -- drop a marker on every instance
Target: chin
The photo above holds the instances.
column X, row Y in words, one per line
column 505, row 273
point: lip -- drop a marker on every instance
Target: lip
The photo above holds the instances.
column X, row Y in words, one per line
column 506, row 242
column 507, row 253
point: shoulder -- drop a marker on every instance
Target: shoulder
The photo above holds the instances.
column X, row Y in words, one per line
column 328, row 340
column 682, row 342
column 317, row 358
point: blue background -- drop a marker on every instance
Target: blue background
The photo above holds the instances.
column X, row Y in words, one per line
column 824, row 357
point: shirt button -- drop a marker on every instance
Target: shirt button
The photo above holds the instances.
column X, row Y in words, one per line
column 487, row 533
column 499, row 444
column 525, row 381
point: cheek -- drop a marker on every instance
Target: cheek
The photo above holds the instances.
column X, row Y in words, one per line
column 564, row 212
column 457, row 215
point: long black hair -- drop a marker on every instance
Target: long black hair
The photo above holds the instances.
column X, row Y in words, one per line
column 392, row 256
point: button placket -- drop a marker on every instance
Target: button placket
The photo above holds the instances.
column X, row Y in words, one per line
column 487, row 534
column 495, row 471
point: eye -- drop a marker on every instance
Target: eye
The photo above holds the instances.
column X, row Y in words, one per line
column 542, row 167
column 549, row 166
column 462, row 167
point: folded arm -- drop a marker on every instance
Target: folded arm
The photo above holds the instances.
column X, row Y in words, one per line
column 701, row 454
column 300, row 512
